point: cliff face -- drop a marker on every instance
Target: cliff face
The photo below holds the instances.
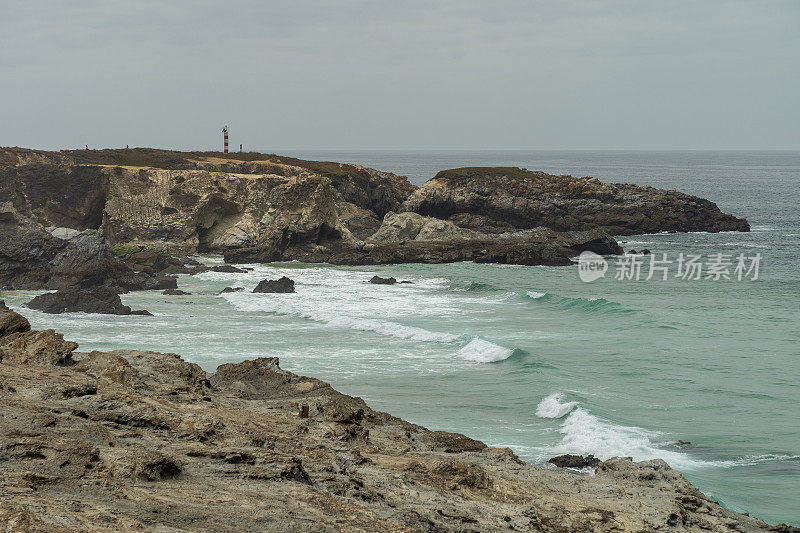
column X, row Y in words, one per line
column 504, row 198
column 133, row 440
column 257, row 207
column 199, row 202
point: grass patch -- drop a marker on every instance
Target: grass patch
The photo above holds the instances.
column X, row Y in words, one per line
column 488, row 172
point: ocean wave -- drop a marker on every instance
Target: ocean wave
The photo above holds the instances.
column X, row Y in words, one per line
column 280, row 306
column 584, row 433
column 483, row 351
column 388, row 328
column 475, row 349
column 590, row 305
column 554, row 406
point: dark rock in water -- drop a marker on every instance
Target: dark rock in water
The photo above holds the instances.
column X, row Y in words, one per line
column 633, row 252
column 645, row 252
column 101, row 300
column 277, row 285
column 575, row 461
column 142, row 312
column 228, row 268
column 681, row 443
column 231, row 289
column 382, row 281
column 3, row 304
column 175, row 292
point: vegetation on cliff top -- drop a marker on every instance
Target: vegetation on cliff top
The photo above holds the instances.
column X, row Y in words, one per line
column 175, row 160
column 488, row 172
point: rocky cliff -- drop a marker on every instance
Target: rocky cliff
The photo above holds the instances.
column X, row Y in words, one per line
column 506, row 198
column 133, row 440
column 259, row 207
column 256, row 207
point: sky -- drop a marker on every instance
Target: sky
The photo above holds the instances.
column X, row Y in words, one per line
column 450, row 74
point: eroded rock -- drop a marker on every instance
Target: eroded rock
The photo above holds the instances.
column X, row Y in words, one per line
column 282, row 285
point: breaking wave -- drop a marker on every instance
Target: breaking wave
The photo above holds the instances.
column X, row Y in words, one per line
column 483, row 351
column 584, row 433
column 554, row 406
column 476, row 349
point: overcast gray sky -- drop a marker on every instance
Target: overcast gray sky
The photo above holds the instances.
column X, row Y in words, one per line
column 351, row 74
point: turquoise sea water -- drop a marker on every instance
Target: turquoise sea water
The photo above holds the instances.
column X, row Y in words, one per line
column 532, row 357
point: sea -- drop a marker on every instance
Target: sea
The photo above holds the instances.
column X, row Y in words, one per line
column 700, row 369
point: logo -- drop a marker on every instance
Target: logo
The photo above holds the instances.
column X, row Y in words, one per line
column 591, row 266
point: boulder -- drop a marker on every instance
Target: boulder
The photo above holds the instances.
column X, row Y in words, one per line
column 382, row 281
column 278, row 285
column 101, row 300
column 574, row 461
column 231, row 289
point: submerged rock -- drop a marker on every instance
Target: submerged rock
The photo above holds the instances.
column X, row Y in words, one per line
column 231, row 289
column 382, row 281
column 228, row 269
column 278, row 285
column 176, row 292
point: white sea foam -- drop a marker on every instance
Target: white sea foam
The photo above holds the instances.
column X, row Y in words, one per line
column 584, row 433
column 554, row 406
column 483, row 351
column 392, row 329
column 536, row 295
column 284, row 305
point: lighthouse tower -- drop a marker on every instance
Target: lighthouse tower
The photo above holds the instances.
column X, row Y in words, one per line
column 225, row 138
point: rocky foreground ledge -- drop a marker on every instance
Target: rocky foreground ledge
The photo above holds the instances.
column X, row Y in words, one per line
column 111, row 441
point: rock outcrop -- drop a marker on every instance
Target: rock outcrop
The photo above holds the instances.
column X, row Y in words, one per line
column 31, row 257
column 282, row 285
column 502, row 199
column 71, row 299
column 534, row 247
column 574, row 461
column 132, row 440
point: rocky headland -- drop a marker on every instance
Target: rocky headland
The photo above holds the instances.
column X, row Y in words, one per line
column 503, row 199
column 65, row 215
column 136, row 440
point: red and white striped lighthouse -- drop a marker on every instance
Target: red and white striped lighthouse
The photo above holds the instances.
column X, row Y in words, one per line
column 225, row 137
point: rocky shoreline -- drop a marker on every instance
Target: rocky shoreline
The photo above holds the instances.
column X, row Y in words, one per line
column 141, row 440
column 57, row 209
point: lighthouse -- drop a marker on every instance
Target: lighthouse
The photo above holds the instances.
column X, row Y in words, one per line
column 225, row 138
